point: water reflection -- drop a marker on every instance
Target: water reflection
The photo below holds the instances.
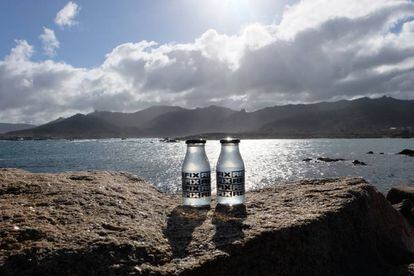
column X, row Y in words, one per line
column 267, row 161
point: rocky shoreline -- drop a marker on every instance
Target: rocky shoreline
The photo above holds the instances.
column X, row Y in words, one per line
column 107, row 223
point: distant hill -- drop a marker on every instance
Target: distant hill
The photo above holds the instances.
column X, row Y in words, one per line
column 364, row 117
column 5, row 127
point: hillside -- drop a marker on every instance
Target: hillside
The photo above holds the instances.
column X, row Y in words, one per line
column 364, row 117
column 5, row 127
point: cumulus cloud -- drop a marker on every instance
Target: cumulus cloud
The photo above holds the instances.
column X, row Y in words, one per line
column 319, row 51
column 49, row 42
column 66, row 16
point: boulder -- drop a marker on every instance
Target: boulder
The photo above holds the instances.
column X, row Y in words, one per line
column 107, row 223
column 407, row 152
column 406, row 208
column 399, row 193
column 370, row 152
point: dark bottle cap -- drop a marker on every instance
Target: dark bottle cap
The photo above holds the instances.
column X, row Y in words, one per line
column 230, row 140
column 195, row 141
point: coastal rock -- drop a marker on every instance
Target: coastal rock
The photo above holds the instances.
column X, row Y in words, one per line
column 106, row 223
column 359, row 163
column 406, row 208
column 399, row 193
column 327, row 159
column 370, row 152
column 407, row 152
column 307, row 159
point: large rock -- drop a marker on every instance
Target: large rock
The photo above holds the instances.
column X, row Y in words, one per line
column 407, row 152
column 399, row 193
column 103, row 223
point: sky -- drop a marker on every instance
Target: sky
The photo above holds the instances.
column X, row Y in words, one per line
column 58, row 58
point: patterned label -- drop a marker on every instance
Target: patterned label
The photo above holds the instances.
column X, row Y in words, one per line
column 196, row 185
column 230, row 183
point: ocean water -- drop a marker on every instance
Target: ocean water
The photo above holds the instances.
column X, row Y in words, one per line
column 268, row 162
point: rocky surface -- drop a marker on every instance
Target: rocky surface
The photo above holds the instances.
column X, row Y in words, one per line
column 103, row 223
column 399, row 193
column 402, row 198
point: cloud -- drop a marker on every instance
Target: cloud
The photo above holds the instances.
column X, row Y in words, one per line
column 66, row 16
column 49, row 42
column 317, row 52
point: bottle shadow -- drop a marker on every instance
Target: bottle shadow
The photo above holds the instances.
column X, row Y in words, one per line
column 180, row 227
column 229, row 224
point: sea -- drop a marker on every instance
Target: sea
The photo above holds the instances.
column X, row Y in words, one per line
column 268, row 162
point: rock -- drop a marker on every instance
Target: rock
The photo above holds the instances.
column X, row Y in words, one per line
column 327, row 159
column 358, row 163
column 399, row 193
column 370, row 152
column 406, row 208
column 381, row 153
column 307, row 159
column 118, row 225
column 407, row 152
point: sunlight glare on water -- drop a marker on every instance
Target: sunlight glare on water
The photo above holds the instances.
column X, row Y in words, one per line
column 267, row 162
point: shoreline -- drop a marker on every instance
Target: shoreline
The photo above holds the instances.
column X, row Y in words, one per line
column 201, row 136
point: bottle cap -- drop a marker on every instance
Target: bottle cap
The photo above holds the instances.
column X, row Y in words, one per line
column 230, row 140
column 195, row 141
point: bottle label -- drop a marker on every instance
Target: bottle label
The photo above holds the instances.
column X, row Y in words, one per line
column 196, row 185
column 230, row 183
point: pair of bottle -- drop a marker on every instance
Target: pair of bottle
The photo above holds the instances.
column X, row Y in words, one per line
column 196, row 174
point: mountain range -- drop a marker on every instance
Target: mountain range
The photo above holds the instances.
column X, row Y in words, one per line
column 363, row 117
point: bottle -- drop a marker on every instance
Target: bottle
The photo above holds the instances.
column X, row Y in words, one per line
column 196, row 175
column 230, row 173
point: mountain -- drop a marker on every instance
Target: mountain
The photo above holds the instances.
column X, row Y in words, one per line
column 362, row 117
column 77, row 126
column 5, row 127
column 138, row 119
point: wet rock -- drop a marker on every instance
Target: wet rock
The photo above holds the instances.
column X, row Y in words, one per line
column 407, row 152
column 124, row 226
column 307, row 159
column 370, row 152
column 358, row 163
column 327, row 159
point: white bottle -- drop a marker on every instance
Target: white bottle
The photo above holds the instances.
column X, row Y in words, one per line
column 196, row 175
column 230, row 174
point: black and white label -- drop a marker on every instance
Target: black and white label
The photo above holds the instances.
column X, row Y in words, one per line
column 230, row 183
column 196, row 185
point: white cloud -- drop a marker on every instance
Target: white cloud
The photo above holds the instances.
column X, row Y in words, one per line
column 66, row 16
column 329, row 54
column 49, row 42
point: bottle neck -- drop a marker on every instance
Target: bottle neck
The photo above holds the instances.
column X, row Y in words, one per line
column 195, row 148
column 230, row 157
column 230, row 148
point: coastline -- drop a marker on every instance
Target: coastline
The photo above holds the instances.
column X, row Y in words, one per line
column 218, row 136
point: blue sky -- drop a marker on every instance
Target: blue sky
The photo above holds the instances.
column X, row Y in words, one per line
column 104, row 24
column 58, row 57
